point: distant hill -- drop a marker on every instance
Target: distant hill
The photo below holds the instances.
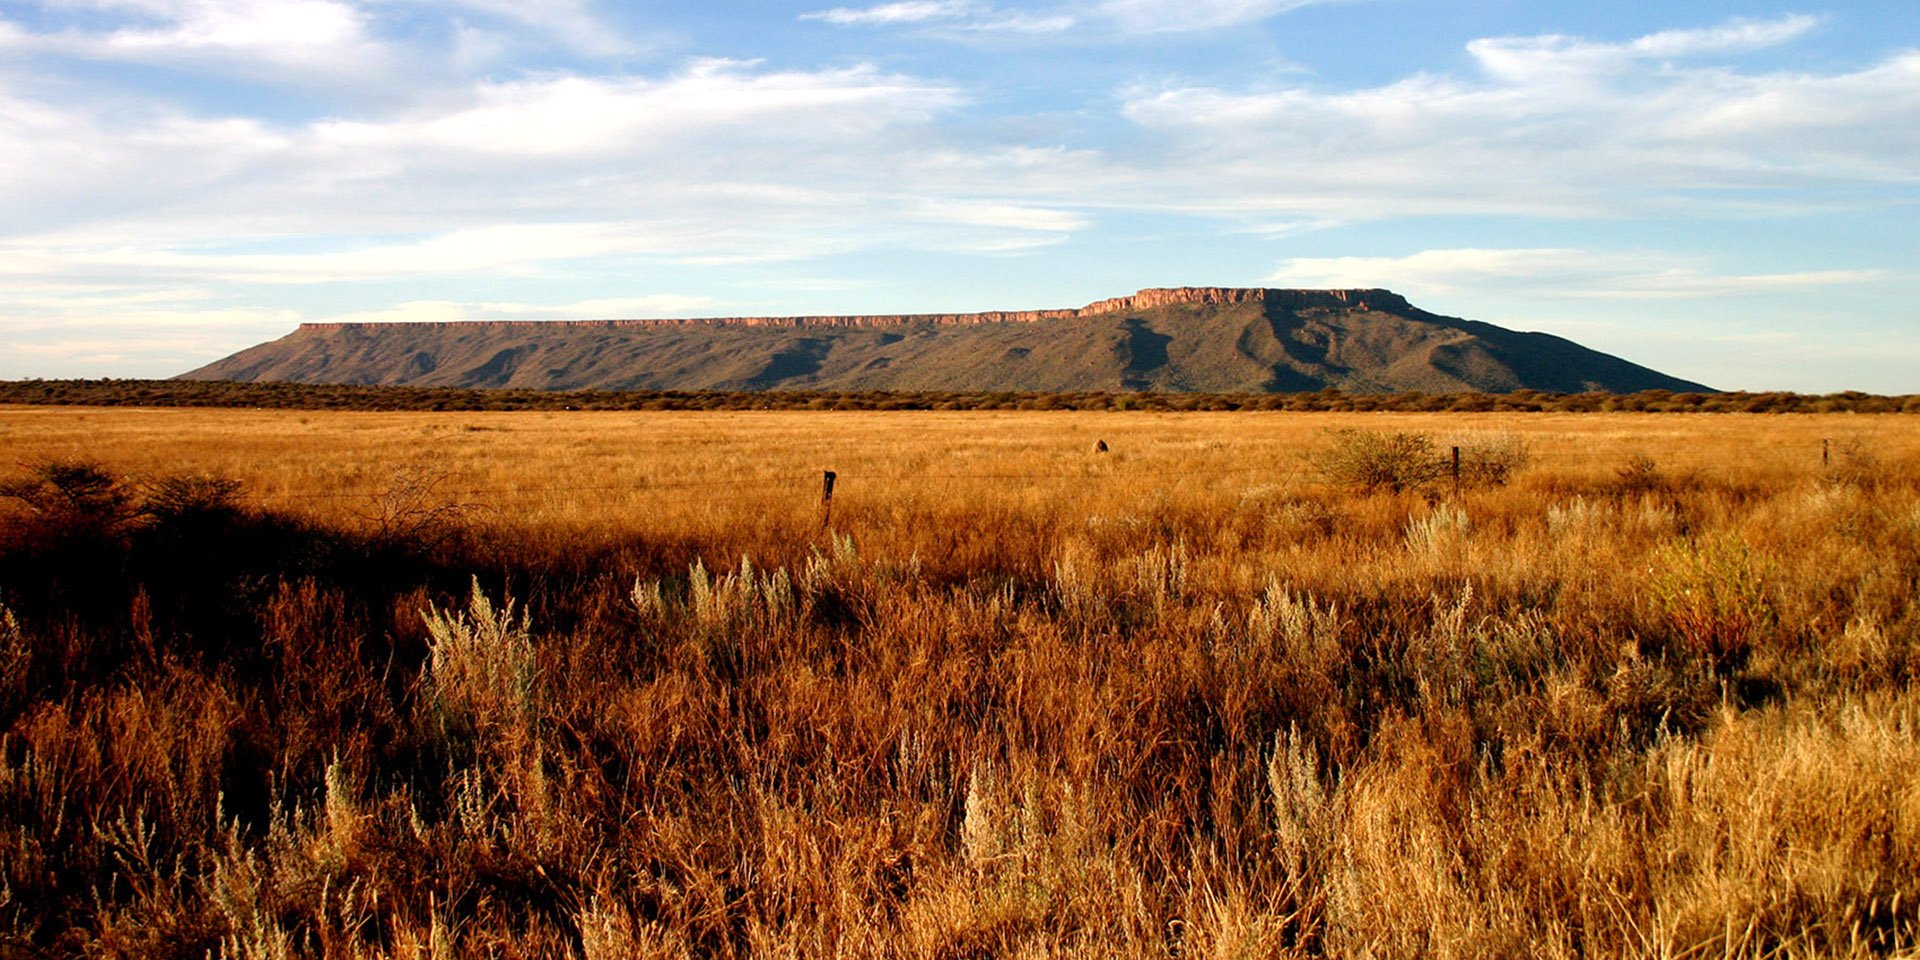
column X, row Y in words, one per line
column 1185, row 339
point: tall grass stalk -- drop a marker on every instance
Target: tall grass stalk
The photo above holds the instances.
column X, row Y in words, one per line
column 1660, row 713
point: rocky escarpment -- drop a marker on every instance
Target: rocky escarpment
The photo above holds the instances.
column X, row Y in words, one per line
column 1144, row 300
column 1165, row 339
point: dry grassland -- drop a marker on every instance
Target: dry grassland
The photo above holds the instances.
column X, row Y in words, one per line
column 601, row 685
column 618, row 475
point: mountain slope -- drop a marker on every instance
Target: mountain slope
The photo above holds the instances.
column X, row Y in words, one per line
column 1182, row 339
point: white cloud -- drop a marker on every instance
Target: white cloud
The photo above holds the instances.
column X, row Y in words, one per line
column 1555, row 273
column 1278, row 229
column 727, row 161
column 576, row 116
column 1531, row 58
column 524, row 146
column 1735, row 36
column 719, row 162
column 475, row 251
column 958, row 17
column 1008, row 215
column 136, row 201
column 1174, row 16
column 1552, row 127
column 69, row 164
column 909, row 11
column 572, row 23
column 376, row 50
column 1109, row 18
column 449, row 311
column 65, row 330
column 32, row 298
column 609, row 308
column 153, row 338
column 311, row 39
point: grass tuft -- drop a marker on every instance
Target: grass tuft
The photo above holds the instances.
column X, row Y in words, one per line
column 1181, row 700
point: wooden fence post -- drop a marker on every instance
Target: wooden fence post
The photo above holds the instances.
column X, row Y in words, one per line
column 1826, row 453
column 826, row 497
column 1456, row 471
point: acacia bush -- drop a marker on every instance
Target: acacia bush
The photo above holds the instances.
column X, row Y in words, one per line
column 1491, row 460
column 1400, row 461
column 190, row 498
column 76, row 496
column 1370, row 460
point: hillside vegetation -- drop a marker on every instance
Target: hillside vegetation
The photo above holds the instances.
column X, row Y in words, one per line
column 307, row 396
column 1242, row 685
column 1185, row 340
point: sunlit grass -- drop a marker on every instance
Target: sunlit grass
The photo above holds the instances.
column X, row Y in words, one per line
column 605, row 685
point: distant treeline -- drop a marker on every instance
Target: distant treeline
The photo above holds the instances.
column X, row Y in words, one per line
column 304, row 396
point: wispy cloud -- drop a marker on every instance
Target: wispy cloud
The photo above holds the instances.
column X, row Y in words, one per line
column 282, row 39
column 724, row 160
column 1110, row 18
column 909, row 11
column 1556, row 273
column 479, row 250
column 1551, row 126
column 171, row 205
column 572, row 23
column 717, row 162
column 120, row 336
column 335, row 44
column 88, row 331
column 989, row 214
column 1525, row 59
column 614, row 308
column 580, row 116
column 554, row 149
column 1179, row 16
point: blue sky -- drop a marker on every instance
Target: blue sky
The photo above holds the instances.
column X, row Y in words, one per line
column 1725, row 191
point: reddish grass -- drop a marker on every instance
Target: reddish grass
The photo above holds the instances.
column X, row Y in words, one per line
column 1665, row 713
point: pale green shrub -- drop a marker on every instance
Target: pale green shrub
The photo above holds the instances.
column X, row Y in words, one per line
column 480, row 664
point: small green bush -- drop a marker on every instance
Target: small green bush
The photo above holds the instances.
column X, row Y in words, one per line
column 1492, row 460
column 1368, row 460
column 1713, row 595
column 1399, row 462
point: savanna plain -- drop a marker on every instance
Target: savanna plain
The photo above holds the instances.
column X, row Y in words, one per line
column 547, row 684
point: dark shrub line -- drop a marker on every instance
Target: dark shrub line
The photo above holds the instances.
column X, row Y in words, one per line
column 301, row 396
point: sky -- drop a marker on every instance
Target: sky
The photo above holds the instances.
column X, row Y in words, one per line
column 1724, row 191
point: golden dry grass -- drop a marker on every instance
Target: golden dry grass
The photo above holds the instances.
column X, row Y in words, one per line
column 1185, row 698
column 641, row 473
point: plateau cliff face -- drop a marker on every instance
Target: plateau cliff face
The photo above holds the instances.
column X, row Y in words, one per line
column 1241, row 339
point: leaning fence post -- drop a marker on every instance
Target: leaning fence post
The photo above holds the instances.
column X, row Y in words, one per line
column 826, row 497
